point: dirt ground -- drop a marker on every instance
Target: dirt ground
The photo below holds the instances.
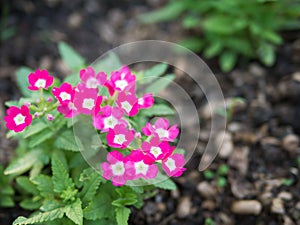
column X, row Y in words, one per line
column 261, row 147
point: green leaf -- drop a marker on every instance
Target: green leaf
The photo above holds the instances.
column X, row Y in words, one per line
column 44, row 185
column 108, row 64
column 167, row 184
column 266, row 54
column 40, row 138
column 72, row 79
column 34, row 129
column 227, row 61
column 66, row 140
column 23, row 163
column 61, row 179
column 155, row 71
column 190, row 22
column 73, row 59
column 192, row 43
column 27, row 185
column 213, row 49
column 158, row 110
column 74, row 212
column 6, row 201
column 40, row 217
column 22, row 80
column 160, row 84
column 30, row 204
column 122, row 215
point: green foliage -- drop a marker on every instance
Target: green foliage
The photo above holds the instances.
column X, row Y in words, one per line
column 219, row 176
column 6, row 191
column 209, row 221
column 232, row 28
column 22, row 80
column 122, row 215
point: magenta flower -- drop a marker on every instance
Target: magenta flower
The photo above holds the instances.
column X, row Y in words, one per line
column 128, row 102
column 146, row 101
column 68, row 109
column 161, row 128
column 121, row 80
column 156, row 149
column 139, row 166
column 173, row 165
column 108, row 118
column 119, row 137
column 40, row 79
column 115, row 169
column 18, row 119
column 90, row 79
column 65, row 93
column 87, row 101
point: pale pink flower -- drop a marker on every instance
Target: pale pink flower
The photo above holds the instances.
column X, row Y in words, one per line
column 146, row 101
column 128, row 102
column 140, row 167
column 18, row 119
column 65, row 93
column 68, row 109
column 90, row 79
column 108, row 117
column 119, row 137
column 87, row 101
column 50, row 117
column 115, row 169
column 40, row 79
column 161, row 128
column 173, row 165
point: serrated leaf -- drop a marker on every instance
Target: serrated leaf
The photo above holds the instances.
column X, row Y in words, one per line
column 158, row 110
column 23, row 163
column 30, row 204
column 61, row 179
column 40, row 217
column 166, row 182
column 66, row 141
column 44, row 185
column 27, row 185
column 155, row 71
column 34, row 129
column 74, row 212
column 160, row 84
column 40, row 138
column 122, row 215
column 72, row 58
column 22, row 80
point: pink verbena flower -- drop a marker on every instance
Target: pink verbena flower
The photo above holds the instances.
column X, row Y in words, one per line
column 139, row 166
column 146, row 101
column 115, row 169
column 161, row 128
column 40, row 79
column 90, row 79
column 119, row 137
column 121, row 80
column 18, row 119
column 156, row 149
column 86, row 100
column 128, row 102
column 108, row 117
column 68, row 109
column 65, row 93
column 173, row 165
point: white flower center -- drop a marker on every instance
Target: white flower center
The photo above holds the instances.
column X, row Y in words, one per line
column 156, row 151
column 141, row 101
column 92, row 83
column 88, row 103
column 40, row 83
column 162, row 133
column 141, row 168
column 110, row 122
column 120, row 139
column 118, row 168
column 122, row 84
column 65, row 96
column 170, row 163
column 19, row 119
column 126, row 105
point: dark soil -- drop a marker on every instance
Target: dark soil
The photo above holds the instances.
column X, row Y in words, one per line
column 264, row 130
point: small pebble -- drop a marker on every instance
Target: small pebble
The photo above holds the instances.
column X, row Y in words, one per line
column 246, row 207
column 206, row 190
column 184, row 207
column 284, row 195
column 290, row 143
column 224, row 142
column 266, row 198
column 208, row 204
column 277, row 206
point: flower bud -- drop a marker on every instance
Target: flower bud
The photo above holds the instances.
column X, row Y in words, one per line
column 27, row 104
column 49, row 99
column 138, row 135
column 36, row 114
column 50, row 117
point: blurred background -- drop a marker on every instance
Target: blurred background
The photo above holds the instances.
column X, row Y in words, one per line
column 254, row 50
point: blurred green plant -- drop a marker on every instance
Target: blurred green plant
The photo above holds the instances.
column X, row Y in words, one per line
column 6, row 191
column 219, row 176
column 209, row 221
column 231, row 28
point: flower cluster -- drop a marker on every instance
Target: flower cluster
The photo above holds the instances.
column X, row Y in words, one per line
column 110, row 115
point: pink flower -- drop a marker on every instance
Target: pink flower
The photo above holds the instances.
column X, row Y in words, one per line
column 50, row 117
column 121, row 80
column 173, row 165
column 65, row 93
column 108, row 118
column 18, row 119
column 68, row 109
column 157, row 150
column 119, row 137
column 146, row 101
column 128, row 102
column 139, row 166
column 161, row 128
column 87, row 101
column 40, row 79
column 92, row 80
column 115, row 169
